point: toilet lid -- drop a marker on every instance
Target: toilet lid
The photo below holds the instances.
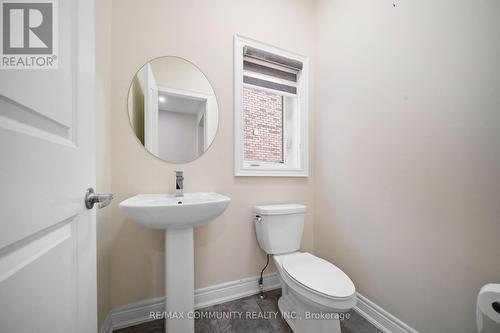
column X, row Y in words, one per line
column 319, row 275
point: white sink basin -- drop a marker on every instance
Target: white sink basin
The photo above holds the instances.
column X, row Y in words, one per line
column 177, row 216
column 166, row 211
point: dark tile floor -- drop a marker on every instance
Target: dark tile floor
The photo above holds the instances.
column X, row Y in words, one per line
column 251, row 304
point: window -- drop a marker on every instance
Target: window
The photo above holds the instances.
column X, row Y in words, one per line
column 270, row 111
column 262, row 126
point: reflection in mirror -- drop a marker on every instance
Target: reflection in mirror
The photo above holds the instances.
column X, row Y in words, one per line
column 173, row 109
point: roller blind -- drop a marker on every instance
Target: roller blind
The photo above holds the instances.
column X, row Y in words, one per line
column 269, row 70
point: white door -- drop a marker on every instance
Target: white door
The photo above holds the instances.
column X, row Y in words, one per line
column 150, row 110
column 47, row 161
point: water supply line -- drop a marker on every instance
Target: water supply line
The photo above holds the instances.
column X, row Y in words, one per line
column 261, row 280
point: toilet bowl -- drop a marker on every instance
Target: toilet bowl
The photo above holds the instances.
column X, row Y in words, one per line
column 315, row 293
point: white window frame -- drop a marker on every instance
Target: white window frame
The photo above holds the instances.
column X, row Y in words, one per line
column 241, row 168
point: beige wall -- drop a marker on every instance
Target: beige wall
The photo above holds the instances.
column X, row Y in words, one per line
column 202, row 32
column 408, row 159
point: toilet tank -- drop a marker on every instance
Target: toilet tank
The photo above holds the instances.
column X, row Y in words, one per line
column 279, row 227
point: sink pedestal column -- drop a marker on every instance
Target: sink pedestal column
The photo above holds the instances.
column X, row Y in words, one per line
column 179, row 265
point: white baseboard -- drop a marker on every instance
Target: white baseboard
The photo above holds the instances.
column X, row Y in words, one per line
column 136, row 313
column 229, row 291
column 380, row 318
column 107, row 325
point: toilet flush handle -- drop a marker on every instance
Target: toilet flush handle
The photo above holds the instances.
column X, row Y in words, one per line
column 258, row 218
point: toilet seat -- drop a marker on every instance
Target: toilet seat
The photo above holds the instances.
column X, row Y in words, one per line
column 318, row 275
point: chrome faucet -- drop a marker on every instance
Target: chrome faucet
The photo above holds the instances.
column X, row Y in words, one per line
column 179, row 183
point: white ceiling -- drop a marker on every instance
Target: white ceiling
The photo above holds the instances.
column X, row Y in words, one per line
column 180, row 104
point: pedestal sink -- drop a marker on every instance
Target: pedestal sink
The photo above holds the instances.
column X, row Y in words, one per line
column 177, row 216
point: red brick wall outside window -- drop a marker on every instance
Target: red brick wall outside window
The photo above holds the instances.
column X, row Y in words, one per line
column 263, row 126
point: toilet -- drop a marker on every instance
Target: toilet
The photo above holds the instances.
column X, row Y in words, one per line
column 315, row 293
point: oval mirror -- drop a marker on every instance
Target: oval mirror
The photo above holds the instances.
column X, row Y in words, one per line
column 173, row 109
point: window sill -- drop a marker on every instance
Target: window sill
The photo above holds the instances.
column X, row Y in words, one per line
column 271, row 173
